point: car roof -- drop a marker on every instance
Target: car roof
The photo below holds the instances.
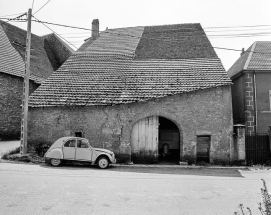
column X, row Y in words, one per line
column 60, row 141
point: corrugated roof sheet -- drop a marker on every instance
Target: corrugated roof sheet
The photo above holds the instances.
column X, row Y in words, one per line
column 256, row 57
column 86, row 80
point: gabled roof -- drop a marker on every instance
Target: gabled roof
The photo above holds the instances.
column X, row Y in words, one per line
column 12, row 54
column 113, row 69
column 256, row 57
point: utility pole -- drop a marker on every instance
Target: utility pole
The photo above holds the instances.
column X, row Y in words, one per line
column 23, row 147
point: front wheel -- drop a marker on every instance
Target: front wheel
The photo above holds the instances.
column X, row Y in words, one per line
column 55, row 162
column 103, row 162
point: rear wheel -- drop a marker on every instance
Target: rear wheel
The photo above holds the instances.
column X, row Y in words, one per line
column 103, row 162
column 55, row 162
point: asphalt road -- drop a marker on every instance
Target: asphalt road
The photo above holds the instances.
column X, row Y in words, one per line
column 42, row 189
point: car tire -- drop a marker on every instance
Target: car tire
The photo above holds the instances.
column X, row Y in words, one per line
column 103, row 162
column 55, row 162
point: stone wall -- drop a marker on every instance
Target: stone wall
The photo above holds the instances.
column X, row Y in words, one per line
column 196, row 113
column 11, row 92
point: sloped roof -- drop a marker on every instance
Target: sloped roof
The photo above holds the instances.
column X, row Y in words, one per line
column 12, row 53
column 86, row 80
column 116, row 68
column 256, row 57
column 11, row 59
column 183, row 41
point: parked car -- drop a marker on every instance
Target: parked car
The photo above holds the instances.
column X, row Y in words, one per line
column 78, row 149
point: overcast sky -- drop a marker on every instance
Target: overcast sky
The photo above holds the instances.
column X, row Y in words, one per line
column 129, row 13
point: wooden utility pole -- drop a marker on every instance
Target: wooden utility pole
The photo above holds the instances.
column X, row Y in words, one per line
column 23, row 147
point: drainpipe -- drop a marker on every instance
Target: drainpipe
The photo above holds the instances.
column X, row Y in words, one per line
column 255, row 101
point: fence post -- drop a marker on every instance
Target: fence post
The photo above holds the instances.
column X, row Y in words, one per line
column 241, row 143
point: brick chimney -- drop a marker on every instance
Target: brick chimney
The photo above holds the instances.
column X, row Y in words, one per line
column 243, row 51
column 95, row 29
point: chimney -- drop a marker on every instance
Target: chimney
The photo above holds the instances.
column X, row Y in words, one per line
column 243, row 51
column 95, row 29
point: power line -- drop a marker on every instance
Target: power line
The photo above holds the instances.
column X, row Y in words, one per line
column 162, row 39
column 32, row 4
column 247, row 26
column 56, row 33
column 41, row 6
column 12, row 15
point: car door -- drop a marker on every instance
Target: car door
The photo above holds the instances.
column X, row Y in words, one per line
column 83, row 150
column 69, row 149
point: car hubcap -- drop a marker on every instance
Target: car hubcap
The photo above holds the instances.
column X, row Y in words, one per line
column 55, row 162
column 103, row 163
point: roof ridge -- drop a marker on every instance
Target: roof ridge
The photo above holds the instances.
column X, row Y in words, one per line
column 249, row 56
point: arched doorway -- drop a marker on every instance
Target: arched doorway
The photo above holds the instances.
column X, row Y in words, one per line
column 168, row 141
column 155, row 139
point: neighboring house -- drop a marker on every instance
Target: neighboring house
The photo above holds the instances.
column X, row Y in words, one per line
column 48, row 53
column 251, row 89
column 150, row 94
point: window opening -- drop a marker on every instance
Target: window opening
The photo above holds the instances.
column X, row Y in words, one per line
column 79, row 134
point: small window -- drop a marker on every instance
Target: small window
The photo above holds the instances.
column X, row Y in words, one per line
column 79, row 134
column 82, row 144
column 70, row 143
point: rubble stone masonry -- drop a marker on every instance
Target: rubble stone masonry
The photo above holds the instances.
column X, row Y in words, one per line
column 200, row 112
column 11, row 93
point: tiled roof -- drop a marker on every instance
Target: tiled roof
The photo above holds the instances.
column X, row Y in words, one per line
column 11, row 61
column 183, row 41
column 86, row 80
column 43, row 53
column 119, row 41
column 256, row 57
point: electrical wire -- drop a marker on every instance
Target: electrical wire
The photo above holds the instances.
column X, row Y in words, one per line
column 164, row 39
column 42, row 7
column 12, row 15
column 56, row 33
column 247, row 26
column 32, row 4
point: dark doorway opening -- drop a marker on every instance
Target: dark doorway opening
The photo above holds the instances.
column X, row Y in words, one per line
column 203, row 149
column 168, row 141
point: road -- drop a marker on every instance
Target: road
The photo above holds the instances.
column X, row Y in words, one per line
column 42, row 189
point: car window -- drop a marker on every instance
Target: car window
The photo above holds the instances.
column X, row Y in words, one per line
column 82, row 144
column 70, row 143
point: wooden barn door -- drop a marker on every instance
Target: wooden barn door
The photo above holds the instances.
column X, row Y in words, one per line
column 145, row 140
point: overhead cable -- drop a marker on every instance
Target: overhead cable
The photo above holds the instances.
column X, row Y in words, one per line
column 41, row 6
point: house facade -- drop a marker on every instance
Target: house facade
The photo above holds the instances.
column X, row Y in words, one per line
column 47, row 54
column 149, row 100
column 251, row 89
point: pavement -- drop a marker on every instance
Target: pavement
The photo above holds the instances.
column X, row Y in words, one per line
column 41, row 189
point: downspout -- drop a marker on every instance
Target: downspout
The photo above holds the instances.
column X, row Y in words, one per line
column 255, row 101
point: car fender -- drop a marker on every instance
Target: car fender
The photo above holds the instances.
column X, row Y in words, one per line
column 103, row 154
column 55, row 153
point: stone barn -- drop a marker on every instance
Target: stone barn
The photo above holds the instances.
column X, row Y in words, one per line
column 48, row 53
column 150, row 94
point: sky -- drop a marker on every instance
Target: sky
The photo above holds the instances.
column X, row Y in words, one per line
column 217, row 17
